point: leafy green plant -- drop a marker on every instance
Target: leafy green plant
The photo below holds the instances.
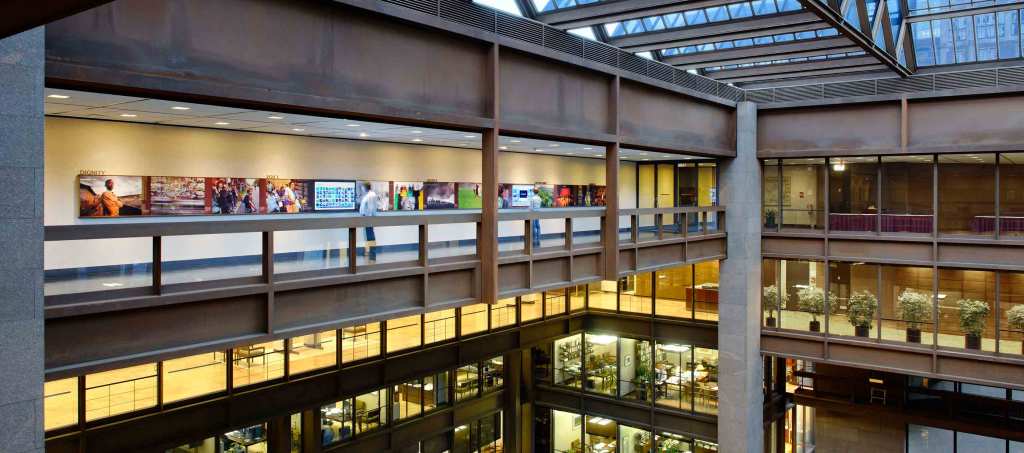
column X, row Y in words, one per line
column 1015, row 317
column 813, row 301
column 973, row 314
column 773, row 298
column 861, row 308
column 914, row 307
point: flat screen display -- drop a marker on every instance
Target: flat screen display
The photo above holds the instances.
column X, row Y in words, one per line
column 334, row 195
column 521, row 194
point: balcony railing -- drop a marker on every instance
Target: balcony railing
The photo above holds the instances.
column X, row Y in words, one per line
column 637, row 226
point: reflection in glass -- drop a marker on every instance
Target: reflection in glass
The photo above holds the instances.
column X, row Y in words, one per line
column 907, row 194
column 853, row 194
column 967, row 194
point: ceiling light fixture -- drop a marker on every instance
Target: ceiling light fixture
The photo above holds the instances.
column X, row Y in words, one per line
column 502, row 147
column 364, row 134
column 275, row 117
column 59, row 96
column 222, row 123
column 178, row 107
column 514, row 141
column 129, row 115
column 469, row 136
column 417, row 139
column 417, row 132
column 352, row 125
column 554, row 145
column 298, row 129
column 587, row 148
column 839, row 166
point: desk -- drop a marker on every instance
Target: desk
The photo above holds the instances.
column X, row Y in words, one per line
column 248, row 353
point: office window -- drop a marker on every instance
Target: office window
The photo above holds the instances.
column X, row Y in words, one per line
column 435, row 390
column 601, row 363
column 337, row 421
column 251, row 438
column 942, row 33
column 634, row 439
column 927, row 439
column 568, row 361
column 503, row 313
column 577, row 297
column 967, row 191
column 403, row 333
column 1011, row 295
column 600, row 434
column 705, row 380
column 371, row 412
column 467, row 382
column 675, row 292
column 295, row 428
column 854, row 311
column 603, row 295
column 196, row 375
column 257, row 363
column 554, row 303
column 360, row 342
column 635, row 370
column 407, row 399
column 907, row 194
column 771, row 213
column 906, row 304
column 795, row 290
column 1011, row 195
column 60, row 403
column 673, row 375
column 120, row 391
column 967, row 315
column 635, row 293
column 800, row 198
column 474, row 318
column 705, row 290
column 566, row 433
column 439, row 326
column 493, row 372
column 531, row 307
column 923, row 50
column 853, row 189
column 666, row 442
column 313, row 352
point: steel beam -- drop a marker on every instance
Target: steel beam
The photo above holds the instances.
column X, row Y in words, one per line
column 835, row 19
column 777, row 71
column 604, row 12
column 761, row 53
column 22, row 15
column 721, row 31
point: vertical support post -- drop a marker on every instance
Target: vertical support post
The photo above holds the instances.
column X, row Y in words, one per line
column 488, row 238
column 268, row 277
column 741, row 412
column 611, row 213
column 352, row 247
column 157, row 258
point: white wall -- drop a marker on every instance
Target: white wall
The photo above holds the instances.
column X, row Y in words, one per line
column 119, row 148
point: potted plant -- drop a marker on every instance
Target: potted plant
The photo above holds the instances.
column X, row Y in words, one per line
column 769, row 219
column 860, row 310
column 643, row 381
column 813, row 301
column 915, row 309
column 1015, row 319
column 972, row 320
column 773, row 299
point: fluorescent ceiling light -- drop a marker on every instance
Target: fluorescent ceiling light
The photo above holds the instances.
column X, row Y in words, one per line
column 59, row 96
column 275, row 117
column 417, row 139
column 469, row 136
column 298, row 129
column 222, row 123
column 514, row 141
column 601, row 339
column 352, row 125
column 417, row 132
column 178, row 107
column 129, row 115
column 364, row 134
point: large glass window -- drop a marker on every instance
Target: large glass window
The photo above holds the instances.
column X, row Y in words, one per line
column 928, row 439
column 467, row 382
column 577, row 297
column 673, row 375
column 313, row 352
column 337, row 422
column 531, row 307
column 435, row 390
column 258, row 363
column 407, row 399
column 120, row 391
column 60, row 403
column 248, row 439
column 967, row 309
column 770, row 201
column 403, row 333
column 967, row 191
column 1011, row 318
column 603, row 295
column 1011, row 196
column 196, row 375
column 635, row 293
column 360, row 342
column 493, row 372
column 672, row 443
column 568, row 361
column 503, row 313
column 438, row 326
column 907, row 303
column 600, row 434
column 474, row 319
column 907, row 194
column 801, row 294
column 601, row 362
column 634, row 440
column 636, row 373
column 853, row 194
column 566, row 432
column 554, row 303
column 675, row 292
column 371, row 410
column 705, row 378
column 800, row 194
column 705, row 290
column 854, row 312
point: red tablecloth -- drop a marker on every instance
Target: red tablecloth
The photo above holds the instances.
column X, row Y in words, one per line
column 852, row 222
column 987, row 223
column 906, row 223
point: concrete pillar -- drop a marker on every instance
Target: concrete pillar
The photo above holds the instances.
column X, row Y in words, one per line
column 740, row 412
column 21, row 227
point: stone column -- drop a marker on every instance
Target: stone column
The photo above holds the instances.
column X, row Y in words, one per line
column 740, row 412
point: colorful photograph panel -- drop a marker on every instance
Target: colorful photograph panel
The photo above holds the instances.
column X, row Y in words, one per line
column 547, row 195
column 111, row 196
column 334, row 195
column 596, row 195
column 233, row 196
column 383, row 191
column 177, row 195
column 565, row 196
column 408, row 196
column 520, row 197
column 288, row 196
column 470, row 195
column 439, row 195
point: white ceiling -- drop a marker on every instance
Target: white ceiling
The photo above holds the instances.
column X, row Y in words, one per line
column 81, row 104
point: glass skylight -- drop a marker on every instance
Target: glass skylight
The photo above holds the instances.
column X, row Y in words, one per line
column 748, row 42
column 508, row 6
column 938, row 6
column 711, row 14
column 552, row 5
column 968, row 39
column 835, row 56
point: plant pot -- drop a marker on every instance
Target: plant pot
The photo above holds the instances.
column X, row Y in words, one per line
column 769, row 321
column 972, row 341
column 862, row 331
column 815, row 326
column 913, row 335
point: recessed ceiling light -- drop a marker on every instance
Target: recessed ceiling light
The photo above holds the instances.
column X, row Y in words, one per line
column 469, row 136
column 417, row 139
column 514, row 141
column 59, row 96
column 598, row 155
column 570, row 154
column 666, row 156
column 646, row 159
column 129, row 115
column 222, row 123
column 178, row 107
column 275, row 117
column 502, row 147
column 417, row 132
column 352, row 125
column 587, row 148
column 463, row 144
column 364, row 134
column 554, row 145
column 298, row 129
